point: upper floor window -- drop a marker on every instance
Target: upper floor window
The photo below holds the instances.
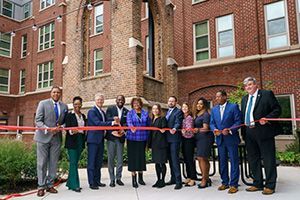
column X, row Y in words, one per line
column 27, row 10
column 46, row 3
column 276, row 25
column 4, row 80
column 146, row 10
column 225, row 36
column 201, row 41
column 99, row 19
column 24, row 46
column 45, row 75
column 98, row 62
column 298, row 16
column 7, row 8
column 5, row 44
column 22, row 81
column 46, row 36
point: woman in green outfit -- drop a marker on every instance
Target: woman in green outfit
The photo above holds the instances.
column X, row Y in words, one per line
column 75, row 140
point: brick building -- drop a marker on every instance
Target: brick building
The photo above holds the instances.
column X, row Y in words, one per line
column 152, row 49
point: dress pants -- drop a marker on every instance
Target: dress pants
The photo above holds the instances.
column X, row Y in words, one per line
column 95, row 160
column 188, row 151
column 173, row 154
column 115, row 149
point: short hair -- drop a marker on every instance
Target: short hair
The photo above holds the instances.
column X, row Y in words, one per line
column 99, row 95
column 223, row 93
column 77, row 98
column 250, row 78
column 121, row 95
column 138, row 99
column 173, row 97
column 55, row 87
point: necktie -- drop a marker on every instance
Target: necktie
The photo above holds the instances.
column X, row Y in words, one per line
column 222, row 111
column 56, row 111
column 248, row 111
column 168, row 114
column 102, row 115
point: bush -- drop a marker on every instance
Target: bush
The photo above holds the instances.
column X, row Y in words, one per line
column 289, row 157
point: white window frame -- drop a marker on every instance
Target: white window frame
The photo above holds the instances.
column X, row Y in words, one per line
column 197, row 1
column 298, row 18
column 146, row 10
column 22, row 72
column 147, row 54
column 51, row 39
column 52, row 2
column 95, row 17
column 286, row 23
column 233, row 37
column 29, row 9
column 43, row 79
column 293, row 114
column 8, row 85
column 95, row 60
column 10, row 48
column 194, row 42
column 22, row 46
column 12, row 10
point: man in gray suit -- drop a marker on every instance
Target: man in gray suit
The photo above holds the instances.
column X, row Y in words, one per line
column 50, row 113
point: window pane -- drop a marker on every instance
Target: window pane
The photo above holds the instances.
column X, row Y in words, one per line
column 201, row 29
column 99, row 10
column 202, row 42
column 285, row 104
column 279, row 41
column 225, row 23
column 225, row 51
column 4, row 80
column 99, row 55
column 99, row 20
column 276, row 26
column 226, row 38
column 202, row 55
column 4, row 72
column 3, row 88
column 275, row 10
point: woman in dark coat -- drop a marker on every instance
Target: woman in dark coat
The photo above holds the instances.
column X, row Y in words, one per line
column 75, row 140
column 158, row 144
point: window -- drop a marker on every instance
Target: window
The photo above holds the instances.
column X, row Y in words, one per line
column 147, row 55
column 45, row 75
column 46, row 37
column 7, row 9
column 298, row 16
column 98, row 62
column 24, row 46
column 197, row 1
column 46, row 3
column 5, row 44
column 146, row 10
column 27, row 11
column 22, row 81
column 20, row 122
column 99, row 19
column 201, row 41
column 4, row 80
column 288, row 111
column 276, row 25
column 225, row 39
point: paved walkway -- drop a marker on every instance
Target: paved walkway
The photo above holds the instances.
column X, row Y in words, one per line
column 287, row 189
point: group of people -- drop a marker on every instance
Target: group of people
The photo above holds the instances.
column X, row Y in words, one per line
column 180, row 130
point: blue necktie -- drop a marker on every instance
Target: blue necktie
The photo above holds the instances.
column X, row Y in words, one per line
column 168, row 114
column 56, row 111
column 248, row 111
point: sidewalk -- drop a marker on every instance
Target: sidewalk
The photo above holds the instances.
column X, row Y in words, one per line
column 287, row 189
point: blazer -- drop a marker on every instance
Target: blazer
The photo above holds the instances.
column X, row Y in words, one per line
column 175, row 121
column 158, row 139
column 266, row 105
column 95, row 119
column 45, row 118
column 134, row 120
column 71, row 140
column 231, row 118
column 111, row 112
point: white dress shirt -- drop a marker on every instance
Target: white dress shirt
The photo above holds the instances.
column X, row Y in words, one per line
column 252, row 108
column 222, row 109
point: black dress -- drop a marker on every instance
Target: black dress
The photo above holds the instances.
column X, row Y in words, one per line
column 158, row 141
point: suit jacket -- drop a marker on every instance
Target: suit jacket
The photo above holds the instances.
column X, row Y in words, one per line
column 175, row 121
column 112, row 112
column 231, row 118
column 95, row 119
column 45, row 118
column 266, row 105
column 135, row 121
column 71, row 140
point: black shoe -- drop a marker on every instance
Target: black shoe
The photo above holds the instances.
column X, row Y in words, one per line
column 208, row 184
column 161, row 184
column 171, row 182
column 77, row 190
column 178, row 187
column 112, row 184
column 141, row 181
column 94, row 187
column 101, row 184
column 134, row 183
column 119, row 182
column 156, row 183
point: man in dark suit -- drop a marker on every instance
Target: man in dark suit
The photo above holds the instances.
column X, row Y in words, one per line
column 259, row 134
column 224, row 116
column 115, row 141
column 95, row 142
column 174, row 118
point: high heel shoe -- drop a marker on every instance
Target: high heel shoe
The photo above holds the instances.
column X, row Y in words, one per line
column 207, row 184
